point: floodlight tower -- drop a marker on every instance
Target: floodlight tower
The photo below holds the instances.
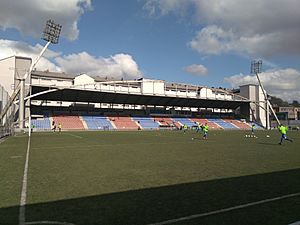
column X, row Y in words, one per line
column 51, row 35
column 256, row 67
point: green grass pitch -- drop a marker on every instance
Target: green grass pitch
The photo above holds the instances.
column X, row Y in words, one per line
column 148, row 177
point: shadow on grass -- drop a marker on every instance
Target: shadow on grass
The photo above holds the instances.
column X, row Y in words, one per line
column 169, row 202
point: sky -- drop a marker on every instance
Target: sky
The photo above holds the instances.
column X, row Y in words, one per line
column 208, row 43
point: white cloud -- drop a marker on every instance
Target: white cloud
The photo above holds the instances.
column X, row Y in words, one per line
column 196, row 69
column 117, row 66
column 257, row 28
column 30, row 16
column 284, row 83
column 9, row 48
column 215, row 40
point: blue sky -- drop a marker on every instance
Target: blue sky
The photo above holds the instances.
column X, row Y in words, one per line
column 209, row 43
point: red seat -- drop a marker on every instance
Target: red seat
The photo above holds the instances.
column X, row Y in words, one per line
column 239, row 124
column 69, row 122
column 123, row 122
column 164, row 121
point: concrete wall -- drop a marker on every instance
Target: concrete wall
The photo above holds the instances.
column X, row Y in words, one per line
column 153, row 87
column 3, row 98
column 256, row 111
column 12, row 69
column 262, row 114
column 22, row 66
column 84, row 80
column 206, row 93
column 7, row 74
column 55, row 82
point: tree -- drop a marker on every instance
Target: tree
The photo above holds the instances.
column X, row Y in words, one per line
column 278, row 102
column 295, row 103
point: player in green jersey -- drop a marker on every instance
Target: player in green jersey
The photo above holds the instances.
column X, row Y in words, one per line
column 283, row 130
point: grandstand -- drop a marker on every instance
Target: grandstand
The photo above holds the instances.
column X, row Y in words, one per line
column 211, row 124
column 146, row 122
column 185, row 121
column 42, row 123
column 164, row 121
column 69, row 122
column 97, row 123
column 82, row 102
column 123, row 123
column 239, row 124
column 135, row 123
column 223, row 123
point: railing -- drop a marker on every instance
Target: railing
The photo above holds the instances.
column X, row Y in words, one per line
column 218, row 94
column 5, row 131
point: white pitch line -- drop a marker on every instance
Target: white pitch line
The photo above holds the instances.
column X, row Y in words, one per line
column 226, row 210
column 24, row 188
column 16, row 157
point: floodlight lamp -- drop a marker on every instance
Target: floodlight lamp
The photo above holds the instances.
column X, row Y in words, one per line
column 51, row 32
column 256, row 66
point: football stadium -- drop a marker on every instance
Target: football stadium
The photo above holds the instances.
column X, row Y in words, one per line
column 84, row 150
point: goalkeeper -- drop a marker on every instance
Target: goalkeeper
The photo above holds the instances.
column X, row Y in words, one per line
column 283, row 130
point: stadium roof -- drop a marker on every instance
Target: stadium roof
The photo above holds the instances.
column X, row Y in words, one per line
column 96, row 96
column 62, row 75
column 46, row 73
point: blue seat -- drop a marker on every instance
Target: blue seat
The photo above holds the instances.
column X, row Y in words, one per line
column 225, row 125
column 146, row 122
column 97, row 122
